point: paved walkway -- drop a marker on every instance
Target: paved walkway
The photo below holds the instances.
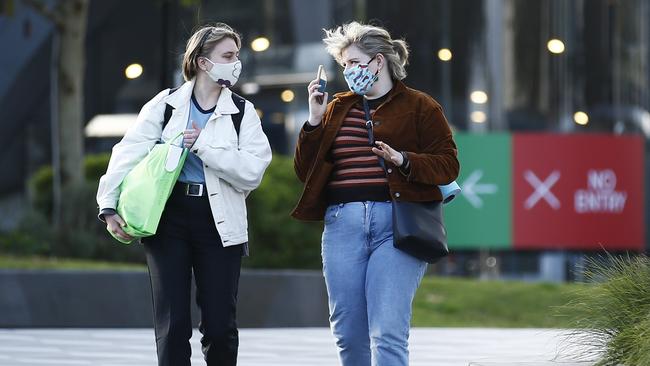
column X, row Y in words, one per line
column 281, row 347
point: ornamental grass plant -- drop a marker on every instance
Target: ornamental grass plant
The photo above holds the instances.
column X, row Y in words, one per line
column 611, row 316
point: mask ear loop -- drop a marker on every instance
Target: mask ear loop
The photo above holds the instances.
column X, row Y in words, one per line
column 378, row 67
column 376, row 74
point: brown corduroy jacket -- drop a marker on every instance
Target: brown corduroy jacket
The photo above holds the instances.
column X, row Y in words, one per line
column 409, row 120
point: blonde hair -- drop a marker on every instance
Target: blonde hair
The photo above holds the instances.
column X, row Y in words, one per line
column 202, row 42
column 371, row 40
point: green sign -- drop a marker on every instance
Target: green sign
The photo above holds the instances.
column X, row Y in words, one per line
column 481, row 216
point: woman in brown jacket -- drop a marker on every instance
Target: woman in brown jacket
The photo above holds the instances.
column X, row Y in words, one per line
column 341, row 159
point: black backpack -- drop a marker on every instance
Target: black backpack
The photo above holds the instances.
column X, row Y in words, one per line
column 236, row 118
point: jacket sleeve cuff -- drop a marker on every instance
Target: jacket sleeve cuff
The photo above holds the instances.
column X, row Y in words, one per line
column 199, row 145
column 105, row 211
column 308, row 135
column 405, row 168
column 309, row 128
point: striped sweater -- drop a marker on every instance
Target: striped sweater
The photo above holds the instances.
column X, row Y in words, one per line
column 357, row 175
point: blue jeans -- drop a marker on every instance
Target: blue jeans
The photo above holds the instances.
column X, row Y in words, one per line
column 370, row 284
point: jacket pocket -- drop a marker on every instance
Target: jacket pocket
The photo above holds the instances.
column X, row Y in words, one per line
column 234, row 208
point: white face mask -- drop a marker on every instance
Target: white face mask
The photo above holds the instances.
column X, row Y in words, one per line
column 225, row 75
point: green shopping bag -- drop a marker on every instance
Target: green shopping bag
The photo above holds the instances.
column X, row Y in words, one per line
column 145, row 190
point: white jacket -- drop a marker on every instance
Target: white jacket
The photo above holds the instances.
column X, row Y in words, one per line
column 233, row 165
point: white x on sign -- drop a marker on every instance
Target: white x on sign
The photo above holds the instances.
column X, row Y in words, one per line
column 542, row 190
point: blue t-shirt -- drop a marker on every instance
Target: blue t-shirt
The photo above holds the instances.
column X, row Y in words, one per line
column 193, row 168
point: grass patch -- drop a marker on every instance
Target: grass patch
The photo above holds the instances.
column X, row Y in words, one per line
column 449, row 302
column 32, row 262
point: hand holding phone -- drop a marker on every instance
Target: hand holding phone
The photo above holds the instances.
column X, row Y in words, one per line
column 317, row 97
column 322, row 82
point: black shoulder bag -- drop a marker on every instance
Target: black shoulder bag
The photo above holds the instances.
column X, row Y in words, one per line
column 417, row 226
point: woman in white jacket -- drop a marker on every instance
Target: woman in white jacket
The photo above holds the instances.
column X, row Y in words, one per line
column 203, row 229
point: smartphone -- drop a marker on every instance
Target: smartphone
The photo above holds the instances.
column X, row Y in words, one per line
column 322, row 81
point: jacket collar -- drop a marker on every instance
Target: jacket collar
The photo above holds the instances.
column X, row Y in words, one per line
column 349, row 98
column 181, row 98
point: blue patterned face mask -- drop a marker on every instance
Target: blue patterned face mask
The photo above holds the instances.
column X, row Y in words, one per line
column 359, row 78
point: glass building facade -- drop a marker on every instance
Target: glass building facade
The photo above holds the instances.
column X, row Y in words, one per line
column 494, row 65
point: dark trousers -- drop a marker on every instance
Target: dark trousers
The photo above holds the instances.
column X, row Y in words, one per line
column 187, row 241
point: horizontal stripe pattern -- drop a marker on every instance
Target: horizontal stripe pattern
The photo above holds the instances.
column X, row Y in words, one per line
column 356, row 172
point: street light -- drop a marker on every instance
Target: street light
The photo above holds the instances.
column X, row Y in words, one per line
column 478, row 117
column 555, row 46
column 478, row 97
column 260, row 44
column 444, row 54
column 581, row 118
column 133, row 71
column 287, row 96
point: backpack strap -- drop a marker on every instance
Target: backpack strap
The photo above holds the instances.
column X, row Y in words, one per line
column 168, row 109
column 240, row 103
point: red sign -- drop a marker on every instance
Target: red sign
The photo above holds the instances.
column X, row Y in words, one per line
column 578, row 192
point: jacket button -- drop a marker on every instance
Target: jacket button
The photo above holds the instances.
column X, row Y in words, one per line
column 389, row 170
column 206, row 166
column 196, row 151
column 397, row 194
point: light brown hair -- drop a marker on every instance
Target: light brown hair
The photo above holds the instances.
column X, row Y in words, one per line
column 201, row 44
column 371, row 40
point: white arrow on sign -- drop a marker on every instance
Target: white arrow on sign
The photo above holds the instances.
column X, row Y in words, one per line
column 471, row 189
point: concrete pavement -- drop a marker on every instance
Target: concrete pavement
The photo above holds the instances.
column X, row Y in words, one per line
column 283, row 347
